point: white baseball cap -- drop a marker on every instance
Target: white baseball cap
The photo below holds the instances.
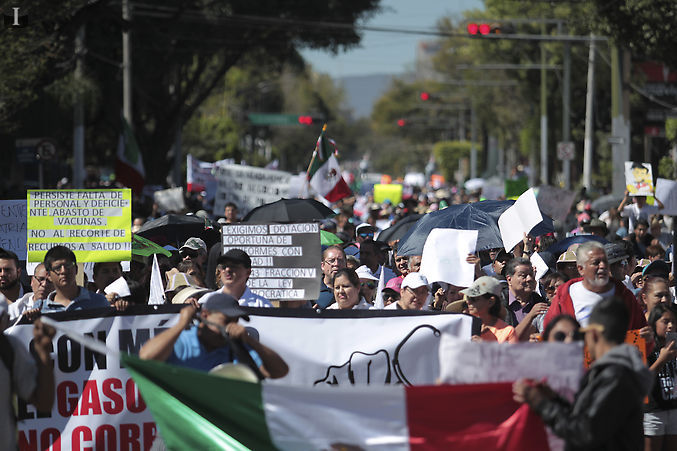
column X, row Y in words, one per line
column 414, row 280
column 365, row 273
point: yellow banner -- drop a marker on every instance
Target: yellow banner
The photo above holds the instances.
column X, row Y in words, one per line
column 95, row 224
column 392, row 192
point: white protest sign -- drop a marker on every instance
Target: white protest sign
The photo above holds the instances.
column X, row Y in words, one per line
column 519, row 219
column 539, row 264
column 444, row 254
column 555, row 202
column 248, row 186
column 170, row 199
column 118, row 286
column 666, row 192
column 13, row 226
column 463, row 362
column 639, row 179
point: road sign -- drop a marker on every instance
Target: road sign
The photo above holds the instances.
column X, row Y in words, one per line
column 566, row 150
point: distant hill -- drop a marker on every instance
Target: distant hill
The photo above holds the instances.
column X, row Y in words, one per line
column 362, row 91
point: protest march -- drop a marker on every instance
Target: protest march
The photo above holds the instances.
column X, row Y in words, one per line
column 259, row 319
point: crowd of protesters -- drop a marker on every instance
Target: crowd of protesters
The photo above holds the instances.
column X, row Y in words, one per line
column 625, row 271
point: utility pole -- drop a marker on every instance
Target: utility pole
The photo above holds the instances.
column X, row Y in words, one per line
column 620, row 123
column 473, row 141
column 588, row 141
column 126, row 64
column 79, row 113
column 544, row 114
column 566, row 111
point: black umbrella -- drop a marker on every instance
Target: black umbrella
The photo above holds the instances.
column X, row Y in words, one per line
column 561, row 246
column 176, row 229
column 399, row 229
column 481, row 216
column 290, row 210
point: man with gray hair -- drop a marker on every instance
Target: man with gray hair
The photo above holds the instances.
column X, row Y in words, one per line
column 578, row 296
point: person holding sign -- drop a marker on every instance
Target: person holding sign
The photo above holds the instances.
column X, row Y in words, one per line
column 607, row 410
column 638, row 209
column 62, row 268
column 234, row 268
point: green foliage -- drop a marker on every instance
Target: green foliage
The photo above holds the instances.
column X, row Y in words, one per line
column 448, row 155
column 671, row 129
column 666, row 167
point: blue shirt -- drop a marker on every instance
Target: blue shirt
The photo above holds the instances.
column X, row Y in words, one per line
column 83, row 301
column 189, row 352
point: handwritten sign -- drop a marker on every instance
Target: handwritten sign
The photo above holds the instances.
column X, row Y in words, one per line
column 13, row 226
column 285, row 258
column 95, row 224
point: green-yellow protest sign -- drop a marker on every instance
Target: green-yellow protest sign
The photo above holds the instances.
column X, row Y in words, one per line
column 95, row 224
column 391, row 192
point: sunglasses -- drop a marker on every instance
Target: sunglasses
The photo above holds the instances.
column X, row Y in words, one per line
column 188, row 253
column 561, row 336
column 370, row 285
column 366, row 235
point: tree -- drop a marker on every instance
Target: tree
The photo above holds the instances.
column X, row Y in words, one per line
column 181, row 51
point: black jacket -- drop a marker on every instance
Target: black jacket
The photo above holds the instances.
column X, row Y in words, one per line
column 607, row 410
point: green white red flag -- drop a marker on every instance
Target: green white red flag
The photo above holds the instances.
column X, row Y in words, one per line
column 195, row 410
column 324, row 172
column 129, row 168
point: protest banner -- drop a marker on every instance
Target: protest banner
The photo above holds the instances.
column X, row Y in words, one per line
column 248, row 187
column 284, row 258
column 13, row 226
column 638, row 179
column 94, row 224
column 170, row 200
column 391, row 192
column 555, row 202
column 200, row 176
column 666, row 191
column 97, row 403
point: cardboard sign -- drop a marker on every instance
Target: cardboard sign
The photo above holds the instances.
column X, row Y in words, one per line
column 95, row 224
column 248, row 187
column 285, row 258
column 391, row 192
column 666, row 192
column 13, row 226
column 639, row 179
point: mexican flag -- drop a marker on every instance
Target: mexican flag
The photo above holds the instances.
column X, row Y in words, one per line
column 324, row 172
column 129, row 164
column 194, row 410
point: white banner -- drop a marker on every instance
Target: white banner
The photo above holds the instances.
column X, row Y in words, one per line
column 13, row 228
column 248, row 186
column 98, row 406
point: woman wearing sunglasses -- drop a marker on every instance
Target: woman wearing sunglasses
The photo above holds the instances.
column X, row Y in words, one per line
column 368, row 283
column 347, row 291
column 563, row 329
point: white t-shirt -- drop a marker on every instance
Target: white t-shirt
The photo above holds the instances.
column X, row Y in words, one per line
column 362, row 305
column 24, row 382
column 584, row 300
column 634, row 213
column 16, row 308
column 248, row 299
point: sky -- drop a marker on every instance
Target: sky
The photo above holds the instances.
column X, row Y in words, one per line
column 389, row 53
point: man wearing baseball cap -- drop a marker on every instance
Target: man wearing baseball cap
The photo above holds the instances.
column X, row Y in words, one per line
column 414, row 293
column 233, row 269
column 204, row 346
column 194, row 249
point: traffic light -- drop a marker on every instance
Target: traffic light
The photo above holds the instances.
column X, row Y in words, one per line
column 401, row 122
column 483, row 28
column 306, row 120
column 425, row 96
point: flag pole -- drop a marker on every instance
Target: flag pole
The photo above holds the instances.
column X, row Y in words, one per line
column 312, row 160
